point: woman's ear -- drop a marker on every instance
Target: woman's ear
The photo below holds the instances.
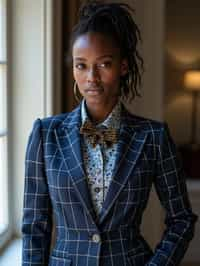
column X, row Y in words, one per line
column 124, row 67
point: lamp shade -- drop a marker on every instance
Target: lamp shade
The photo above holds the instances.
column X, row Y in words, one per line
column 192, row 80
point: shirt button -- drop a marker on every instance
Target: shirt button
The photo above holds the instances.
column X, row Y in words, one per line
column 96, row 238
column 97, row 189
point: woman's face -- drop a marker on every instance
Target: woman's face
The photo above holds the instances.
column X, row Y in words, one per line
column 97, row 68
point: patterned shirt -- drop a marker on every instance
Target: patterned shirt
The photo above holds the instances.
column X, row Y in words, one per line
column 100, row 161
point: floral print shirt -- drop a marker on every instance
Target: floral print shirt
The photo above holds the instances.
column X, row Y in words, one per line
column 100, row 161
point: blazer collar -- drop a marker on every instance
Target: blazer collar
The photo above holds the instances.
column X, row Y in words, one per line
column 128, row 121
column 73, row 118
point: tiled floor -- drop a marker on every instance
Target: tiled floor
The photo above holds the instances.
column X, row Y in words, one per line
column 12, row 255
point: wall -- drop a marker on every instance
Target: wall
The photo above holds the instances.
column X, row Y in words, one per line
column 150, row 18
column 181, row 53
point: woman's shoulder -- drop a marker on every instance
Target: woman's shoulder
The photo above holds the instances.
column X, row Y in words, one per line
column 155, row 130
column 145, row 123
column 55, row 121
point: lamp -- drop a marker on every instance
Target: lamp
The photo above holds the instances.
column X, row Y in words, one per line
column 192, row 84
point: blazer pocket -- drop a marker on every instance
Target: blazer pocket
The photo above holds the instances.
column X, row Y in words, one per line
column 57, row 261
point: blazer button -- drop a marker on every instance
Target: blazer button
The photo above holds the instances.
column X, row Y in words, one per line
column 96, row 238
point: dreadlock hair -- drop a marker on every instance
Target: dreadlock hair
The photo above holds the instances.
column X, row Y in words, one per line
column 115, row 20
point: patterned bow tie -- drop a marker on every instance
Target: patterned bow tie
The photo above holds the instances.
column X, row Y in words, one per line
column 95, row 136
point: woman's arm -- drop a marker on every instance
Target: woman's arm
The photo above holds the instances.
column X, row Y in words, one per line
column 37, row 218
column 170, row 185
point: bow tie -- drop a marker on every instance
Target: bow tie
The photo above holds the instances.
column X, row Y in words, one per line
column 95, row 136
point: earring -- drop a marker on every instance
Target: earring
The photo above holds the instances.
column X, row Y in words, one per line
column 76, row 95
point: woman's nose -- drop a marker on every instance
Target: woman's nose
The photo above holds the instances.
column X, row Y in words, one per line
column 93, row 75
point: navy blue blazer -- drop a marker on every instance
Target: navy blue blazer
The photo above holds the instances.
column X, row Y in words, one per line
column 56, row 192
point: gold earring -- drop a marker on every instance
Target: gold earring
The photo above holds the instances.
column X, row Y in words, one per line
column 76, row 95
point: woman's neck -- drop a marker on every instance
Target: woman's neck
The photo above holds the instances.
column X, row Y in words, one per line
column 98, row 113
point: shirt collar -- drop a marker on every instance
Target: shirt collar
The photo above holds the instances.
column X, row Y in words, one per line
column 112, row 120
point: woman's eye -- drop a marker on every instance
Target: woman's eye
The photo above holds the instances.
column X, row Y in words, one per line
column 80, row 66
column 105, row 64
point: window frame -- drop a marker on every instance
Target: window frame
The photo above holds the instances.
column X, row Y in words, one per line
column 6, row 235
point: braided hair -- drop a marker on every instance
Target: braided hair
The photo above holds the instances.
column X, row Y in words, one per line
column 115, row 20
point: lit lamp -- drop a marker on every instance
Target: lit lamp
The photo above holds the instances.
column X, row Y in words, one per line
column 192, row 84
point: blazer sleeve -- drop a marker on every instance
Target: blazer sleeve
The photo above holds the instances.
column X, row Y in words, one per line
column 170, row 184
column 37, row 218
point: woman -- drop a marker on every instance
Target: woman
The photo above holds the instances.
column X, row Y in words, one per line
column 92, row 169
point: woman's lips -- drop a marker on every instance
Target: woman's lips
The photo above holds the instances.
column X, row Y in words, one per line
column 94, row 91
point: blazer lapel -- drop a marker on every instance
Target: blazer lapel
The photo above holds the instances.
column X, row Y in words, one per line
column 69, row 143
column 131, row 142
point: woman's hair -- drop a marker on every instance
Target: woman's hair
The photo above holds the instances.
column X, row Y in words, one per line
column 115, row 20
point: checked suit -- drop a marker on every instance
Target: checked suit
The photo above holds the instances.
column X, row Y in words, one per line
column 56, row 193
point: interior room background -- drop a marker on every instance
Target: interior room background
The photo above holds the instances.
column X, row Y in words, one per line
column 40, row 84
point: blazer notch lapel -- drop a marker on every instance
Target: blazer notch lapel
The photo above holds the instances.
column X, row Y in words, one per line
column 69, row 144
column 129, row 149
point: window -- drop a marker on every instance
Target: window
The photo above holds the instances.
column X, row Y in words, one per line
column 3, row 121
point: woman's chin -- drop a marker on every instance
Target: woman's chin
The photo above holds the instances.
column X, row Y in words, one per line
column 95, row 99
